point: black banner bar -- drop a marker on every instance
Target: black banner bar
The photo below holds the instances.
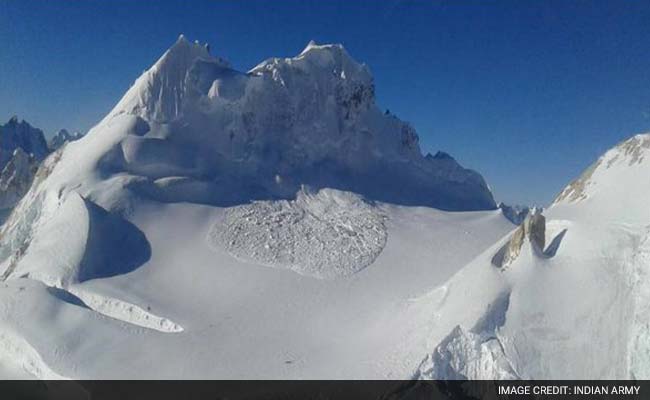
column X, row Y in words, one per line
column 323, row 390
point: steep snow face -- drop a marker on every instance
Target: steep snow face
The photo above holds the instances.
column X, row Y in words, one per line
column 310, row 119
column 15, row 134
column 616, row 184
column 62, row 137
column 162, row 93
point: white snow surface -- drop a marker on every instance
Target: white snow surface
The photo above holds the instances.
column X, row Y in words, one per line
column 363, row 325
column 580, row 314
column 135, row 236
column 153, row 236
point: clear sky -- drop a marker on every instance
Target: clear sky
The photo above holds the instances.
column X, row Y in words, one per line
column 527, row 93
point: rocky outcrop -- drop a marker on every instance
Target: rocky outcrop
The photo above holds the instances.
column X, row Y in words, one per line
column 532, row 229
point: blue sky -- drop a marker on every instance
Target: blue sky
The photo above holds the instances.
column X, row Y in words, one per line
column 527, row 93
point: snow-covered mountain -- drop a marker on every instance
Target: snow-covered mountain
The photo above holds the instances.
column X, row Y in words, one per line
column 16, row 178
column 142, row 236
column 308, row 120
column 21, row 150
column 20, row 134
column 566, row 294
column 516, row 214
column 62, row 137
column 276, row 224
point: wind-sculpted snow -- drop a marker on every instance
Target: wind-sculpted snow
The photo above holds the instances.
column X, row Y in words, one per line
column 326, row 235
column 307, row 120
column 79, row 242
column 467, row 355
column 472, row 354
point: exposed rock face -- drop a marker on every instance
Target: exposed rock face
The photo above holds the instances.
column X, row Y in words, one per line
column 16, row 178
column 22, row 148
column 534, row 229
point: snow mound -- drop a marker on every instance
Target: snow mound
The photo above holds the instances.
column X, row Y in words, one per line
column 477, row 354
column 466, row 355
column 80, row 242
column 327, row 235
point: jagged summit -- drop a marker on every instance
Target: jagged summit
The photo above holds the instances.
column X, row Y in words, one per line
column 162, row 91
column 310, row 119
column 20, row 134
column 15, row 178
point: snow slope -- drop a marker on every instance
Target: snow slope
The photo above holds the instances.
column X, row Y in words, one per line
column 276, row 224
column 577, row 309
column 220, row 224
column 235, row 319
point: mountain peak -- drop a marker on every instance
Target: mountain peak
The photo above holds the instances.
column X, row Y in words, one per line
column 159, row 93
column 21, row 135
column 617, row 180
column 311, row 119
